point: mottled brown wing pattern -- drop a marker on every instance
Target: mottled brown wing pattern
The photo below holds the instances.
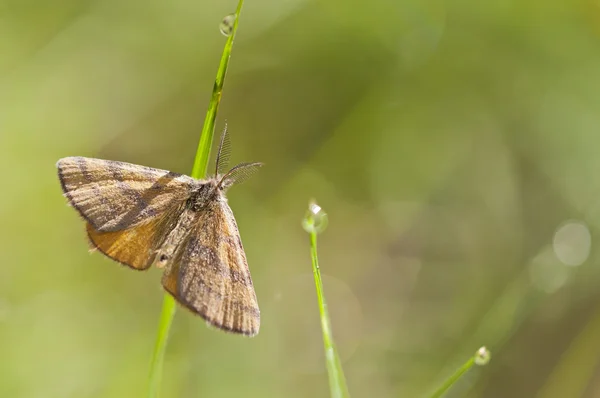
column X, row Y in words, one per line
column 113, row 196
column 136, row 246
column 210, row 274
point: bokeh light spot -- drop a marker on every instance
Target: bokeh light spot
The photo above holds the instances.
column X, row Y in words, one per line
column 546, row 272
column 572, row 243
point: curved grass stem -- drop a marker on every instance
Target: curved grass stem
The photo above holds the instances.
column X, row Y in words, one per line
column 198, row 171
column 454, row 378
column 481, row 357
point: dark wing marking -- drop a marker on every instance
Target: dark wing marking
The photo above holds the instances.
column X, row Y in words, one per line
column 114, row 196
column 210, row 274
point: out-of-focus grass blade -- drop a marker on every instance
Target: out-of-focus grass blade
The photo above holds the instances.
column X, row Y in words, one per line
column 576, row 369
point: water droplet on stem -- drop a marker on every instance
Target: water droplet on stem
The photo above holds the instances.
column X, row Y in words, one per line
column 482, row 356
column 226, row 25
column 315, row 220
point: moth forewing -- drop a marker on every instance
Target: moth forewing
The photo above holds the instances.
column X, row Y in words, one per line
column 113, row 196
column 209, row 274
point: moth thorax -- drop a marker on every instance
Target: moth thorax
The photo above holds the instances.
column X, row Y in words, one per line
column 204, row 195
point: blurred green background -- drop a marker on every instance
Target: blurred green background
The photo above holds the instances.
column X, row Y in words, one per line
column 454, row 145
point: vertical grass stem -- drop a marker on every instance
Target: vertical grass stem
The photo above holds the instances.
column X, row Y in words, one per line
column 198, row 171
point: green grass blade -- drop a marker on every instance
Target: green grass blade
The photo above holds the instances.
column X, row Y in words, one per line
column 315, row 222
column 198, row 171
column 481, row 357
column 208, row 130
column 166, row 318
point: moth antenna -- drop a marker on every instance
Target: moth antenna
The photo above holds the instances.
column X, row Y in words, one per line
column 223, row 153
column 239, row 174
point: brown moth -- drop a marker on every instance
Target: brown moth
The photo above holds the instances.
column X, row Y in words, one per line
column 140, row 216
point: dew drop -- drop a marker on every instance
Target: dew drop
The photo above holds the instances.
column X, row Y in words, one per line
column 226, row 25
column 482, row 356
column 315, row 220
